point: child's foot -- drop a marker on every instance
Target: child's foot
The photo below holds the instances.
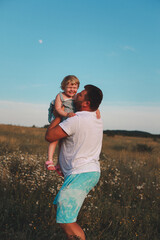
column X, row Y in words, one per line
column 50, row 166
column 58, row 170
column 47, row 163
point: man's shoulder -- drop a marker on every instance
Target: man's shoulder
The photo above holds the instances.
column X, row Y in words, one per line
column 84, row 113
column 89, row 117
column 79, row 117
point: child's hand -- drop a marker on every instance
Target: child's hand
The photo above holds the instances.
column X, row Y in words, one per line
column 71, row 114
column 98, row 114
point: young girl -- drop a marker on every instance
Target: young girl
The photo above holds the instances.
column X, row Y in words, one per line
column 64, row 106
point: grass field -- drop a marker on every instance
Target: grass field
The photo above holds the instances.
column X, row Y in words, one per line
column 125, row 205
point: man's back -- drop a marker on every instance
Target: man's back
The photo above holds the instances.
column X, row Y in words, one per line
column 80, row 150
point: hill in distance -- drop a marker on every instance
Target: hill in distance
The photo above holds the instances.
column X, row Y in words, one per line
column 130, row 133
column 111, row 133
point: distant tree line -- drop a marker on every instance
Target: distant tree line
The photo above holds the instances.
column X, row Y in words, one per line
column 130, row 133
column 46, row 126
column 126, row 133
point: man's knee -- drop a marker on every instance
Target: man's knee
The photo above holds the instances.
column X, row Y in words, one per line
column 64, row 226
column 73, row 231
column 66, row 229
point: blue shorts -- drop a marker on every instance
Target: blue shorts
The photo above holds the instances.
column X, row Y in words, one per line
column 72, row 194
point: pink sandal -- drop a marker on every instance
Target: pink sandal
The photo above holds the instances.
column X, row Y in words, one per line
column 47, row 163
column 58, row 170
column 50, row 166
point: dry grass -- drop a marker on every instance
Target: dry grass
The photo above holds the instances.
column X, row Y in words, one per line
column 25, row 139
column 124, row 204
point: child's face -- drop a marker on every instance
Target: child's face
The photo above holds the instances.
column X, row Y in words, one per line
column 71, row 89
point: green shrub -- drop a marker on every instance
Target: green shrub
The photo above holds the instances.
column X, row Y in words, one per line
column 143, row 148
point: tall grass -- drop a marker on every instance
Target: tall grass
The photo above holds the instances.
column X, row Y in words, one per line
column 124, row 204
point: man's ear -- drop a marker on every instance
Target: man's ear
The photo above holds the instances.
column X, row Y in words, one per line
column 86, row 103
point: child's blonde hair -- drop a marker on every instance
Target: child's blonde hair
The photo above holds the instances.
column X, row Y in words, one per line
column 69, row 79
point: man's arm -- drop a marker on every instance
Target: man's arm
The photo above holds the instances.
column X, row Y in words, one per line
column 54, row 133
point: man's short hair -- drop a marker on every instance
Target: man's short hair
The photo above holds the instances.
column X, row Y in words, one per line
column 94, row 95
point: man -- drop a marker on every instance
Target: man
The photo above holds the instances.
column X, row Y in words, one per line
column 78, row 158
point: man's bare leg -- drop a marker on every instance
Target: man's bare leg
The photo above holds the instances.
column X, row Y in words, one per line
column 73, row 231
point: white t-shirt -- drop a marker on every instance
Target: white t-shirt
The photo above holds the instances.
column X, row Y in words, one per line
column 81, row 149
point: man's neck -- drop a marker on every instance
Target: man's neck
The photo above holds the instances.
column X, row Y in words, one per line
column 86, row 109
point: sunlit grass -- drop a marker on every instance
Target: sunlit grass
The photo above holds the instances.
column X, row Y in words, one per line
column 123, row 206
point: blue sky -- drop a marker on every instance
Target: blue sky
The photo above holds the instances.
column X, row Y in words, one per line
column 113, row 44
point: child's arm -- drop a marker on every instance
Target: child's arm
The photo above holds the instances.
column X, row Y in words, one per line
column 59, row 109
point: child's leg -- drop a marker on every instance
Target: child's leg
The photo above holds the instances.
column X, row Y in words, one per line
column 52, row 146
column 51, row 150
column 59, row 146
column 50, row 165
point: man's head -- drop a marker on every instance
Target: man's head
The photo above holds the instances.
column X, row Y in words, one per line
column 89, row 99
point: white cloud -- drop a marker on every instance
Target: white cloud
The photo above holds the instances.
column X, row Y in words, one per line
column 123, row 117
column 115, row 116
column 128, row 48
column 23, row 114
column 112, row 54
column 38, row 85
